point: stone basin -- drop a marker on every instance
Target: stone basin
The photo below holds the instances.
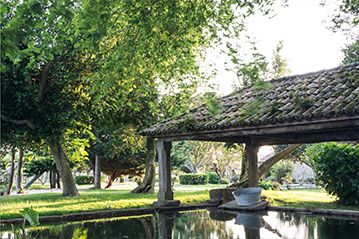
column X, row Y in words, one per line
column 247, row 196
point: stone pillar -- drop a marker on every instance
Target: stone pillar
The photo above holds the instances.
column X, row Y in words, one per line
column 165, row 224
column 165, row 193
column 252, row 156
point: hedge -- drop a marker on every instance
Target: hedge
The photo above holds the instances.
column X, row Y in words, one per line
column 213, row 178
column 194, row 179
column 336, row 167
column 83, row 179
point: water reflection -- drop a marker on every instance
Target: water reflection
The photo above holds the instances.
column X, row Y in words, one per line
column 197, row 224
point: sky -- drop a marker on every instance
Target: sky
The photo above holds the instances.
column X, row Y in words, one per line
column 308, row 43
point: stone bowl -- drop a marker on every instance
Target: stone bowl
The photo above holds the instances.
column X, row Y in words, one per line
column 247, row 196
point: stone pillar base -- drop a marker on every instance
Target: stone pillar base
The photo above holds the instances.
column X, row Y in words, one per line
column 167, row 203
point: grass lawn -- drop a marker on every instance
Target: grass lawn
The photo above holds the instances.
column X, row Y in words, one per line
column 304, row 198
column 92, row 200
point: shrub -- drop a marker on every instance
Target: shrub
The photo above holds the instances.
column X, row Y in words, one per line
column 83, row 179
column 213, row 178
column 336, row 167
column 193, row 179
column 282, row 172
column 223, row 181
column 266, row 185
column 276, row 186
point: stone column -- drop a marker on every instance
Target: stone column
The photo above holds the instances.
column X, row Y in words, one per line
column 165, row 193
column 165, row 224
column 252, row 156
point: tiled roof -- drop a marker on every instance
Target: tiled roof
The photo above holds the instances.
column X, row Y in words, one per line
column 321, row 95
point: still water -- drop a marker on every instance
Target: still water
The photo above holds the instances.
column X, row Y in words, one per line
column 198, row 224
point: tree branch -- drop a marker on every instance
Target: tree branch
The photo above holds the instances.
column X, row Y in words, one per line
column 43, row 80
column 19, row 122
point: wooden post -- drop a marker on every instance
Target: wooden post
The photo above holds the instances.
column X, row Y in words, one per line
column 165, row 194
column 252, row 156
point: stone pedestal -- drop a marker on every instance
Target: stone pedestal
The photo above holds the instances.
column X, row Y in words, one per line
column 166, row 203
column 221, row 195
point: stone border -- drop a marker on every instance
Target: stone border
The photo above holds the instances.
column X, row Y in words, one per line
column 108, row 214
column 335, row 213
column 317, row 211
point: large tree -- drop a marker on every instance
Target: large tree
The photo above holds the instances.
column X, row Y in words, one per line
column 42, row 94
column 59, row 56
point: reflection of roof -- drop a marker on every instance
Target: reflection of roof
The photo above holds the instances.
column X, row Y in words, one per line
column 319, row 96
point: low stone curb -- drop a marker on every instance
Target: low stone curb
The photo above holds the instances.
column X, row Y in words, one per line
column 150, row 210
column 108, row 214
column 317, row 211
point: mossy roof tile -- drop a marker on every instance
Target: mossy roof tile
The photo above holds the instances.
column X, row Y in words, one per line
column 313, row 96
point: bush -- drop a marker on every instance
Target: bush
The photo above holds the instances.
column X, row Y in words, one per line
column 223, row 181
column 282, row 172
column 82, row 180
column 336, row 167
column 193, row 179
column 266, row 185
column 213, row 178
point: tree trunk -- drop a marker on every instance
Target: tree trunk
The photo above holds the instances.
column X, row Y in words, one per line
column 111, row 179
column 58, row 185
column 12, row 171
column 63, row 168
column 264, row 167
column 52, row 179
column 19, row 188
column 267, row 164
column 148, row 183
column 97, row 173
column 244, row 167
column 32, row 180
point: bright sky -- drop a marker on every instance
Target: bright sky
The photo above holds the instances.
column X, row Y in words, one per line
column 308, row 43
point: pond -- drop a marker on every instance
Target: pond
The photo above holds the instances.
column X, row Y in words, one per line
column 198, row 224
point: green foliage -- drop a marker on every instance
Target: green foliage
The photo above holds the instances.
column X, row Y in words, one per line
column 351, row 53
column 31, row 216
column 72, row 68
column 84, row 180
column 213, row 178
column 280, row 65
column 282, row 172
column 38, row 164
column 266, row 185
column 180, row 153
column 345, row 17
column 336, row 167
column 298, row 154
column 193, row 179
column 212, row 103
column 223, row 181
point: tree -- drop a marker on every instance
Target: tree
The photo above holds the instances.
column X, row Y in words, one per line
column 345, row 18
column 41, row 86
column 266, row 166
column 351, row 52
column 19, row 188
column 60, row 56
column 147, row 185
column 12, row 171
column 336, row 167
column 279, row 64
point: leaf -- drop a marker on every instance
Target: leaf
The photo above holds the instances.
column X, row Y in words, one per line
column 31, row 216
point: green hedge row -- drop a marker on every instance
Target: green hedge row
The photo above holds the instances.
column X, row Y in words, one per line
column 197, row 179
column 194, row 179
column 82, row 180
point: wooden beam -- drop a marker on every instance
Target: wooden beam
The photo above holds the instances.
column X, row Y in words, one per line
column 344, row 123
column 252, row 156
column 351, row 134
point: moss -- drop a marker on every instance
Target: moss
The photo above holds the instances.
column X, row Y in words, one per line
column 302, row 103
